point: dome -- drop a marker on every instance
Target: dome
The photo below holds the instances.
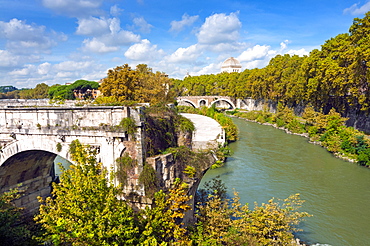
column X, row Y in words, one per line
column 231, row 65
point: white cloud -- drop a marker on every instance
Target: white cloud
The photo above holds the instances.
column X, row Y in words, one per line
column 97, row 46
column 7, row 59
column 143, row 26
column 185, row 55
column 178, row 26
column 284, row 44
column 93, row 26
column 74, row 8
column 212, row 68
column 26, row 71
column 355, row 9
column 68, row 71
column 23, row 38
column 220, row 28
column 72, row 65
column 112, row 40
column 300, row 52
column 115, row 10
column 44, row 68
column 254, row 53
column 143, row 51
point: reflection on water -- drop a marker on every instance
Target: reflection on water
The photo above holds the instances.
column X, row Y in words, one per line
column 60, row 160
column 267, row 163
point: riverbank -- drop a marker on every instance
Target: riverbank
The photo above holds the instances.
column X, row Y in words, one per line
column 328, row 131
column 306, row 135
column 267, row 162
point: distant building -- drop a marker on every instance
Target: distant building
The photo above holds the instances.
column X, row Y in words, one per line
column 231, row 65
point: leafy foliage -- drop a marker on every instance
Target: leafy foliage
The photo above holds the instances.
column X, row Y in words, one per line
column 162, row 223
column 223, row 221
column 140, row 85
column 66, row 92
column 129, row 125
column 14, row 229
column 149, row 179
column 85, row 209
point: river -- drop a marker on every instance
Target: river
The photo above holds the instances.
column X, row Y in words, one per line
column 268, row 163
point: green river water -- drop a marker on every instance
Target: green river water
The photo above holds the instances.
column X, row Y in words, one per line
column 268, row 163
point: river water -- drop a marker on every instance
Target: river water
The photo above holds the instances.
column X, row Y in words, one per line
column 268, row 163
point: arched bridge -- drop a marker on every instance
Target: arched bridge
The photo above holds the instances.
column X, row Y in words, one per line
column 207, row 101
column 31, row 138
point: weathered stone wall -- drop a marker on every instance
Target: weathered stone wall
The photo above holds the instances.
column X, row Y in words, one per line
column 34, row 172
column 61, row 117
column 167, row 170
column 40, row 131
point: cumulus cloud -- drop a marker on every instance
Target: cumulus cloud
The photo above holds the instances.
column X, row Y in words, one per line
column 93, row 26
column 143, row 51
column 254, row 53
column 186, row 20
column 185, row 55
column 24, row 38
column 115, row 10
column 65, row 72
column 142, row 25
column 97, row 46
column 111, row 41
column 300, row 52
column 44, row 68
column 212, row 68
column 219, row 28
column 284, row 46
column 356, row 9
column 74, row 8
column 26, row 71
column 7, row 59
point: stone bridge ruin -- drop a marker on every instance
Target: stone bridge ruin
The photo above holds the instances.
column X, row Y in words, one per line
column 32, row 138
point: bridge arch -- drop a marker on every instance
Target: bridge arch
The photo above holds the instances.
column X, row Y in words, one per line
column 33, row 172
column 202, row 103
column 188, row 102
column 32, row 144
column 232, row 105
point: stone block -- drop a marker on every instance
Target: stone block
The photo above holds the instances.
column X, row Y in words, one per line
column 45, row 192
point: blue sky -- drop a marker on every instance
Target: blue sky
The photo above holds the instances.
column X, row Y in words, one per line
column 60, row 41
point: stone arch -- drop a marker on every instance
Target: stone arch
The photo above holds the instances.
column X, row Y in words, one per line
column 32, row 169
column 22, row 145
column 202, row 103
column 225, row 100
column 188, row 102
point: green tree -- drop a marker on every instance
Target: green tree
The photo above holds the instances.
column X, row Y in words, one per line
column 84, row 208
column 163, row 223
column 121, row 83
column 14, row 229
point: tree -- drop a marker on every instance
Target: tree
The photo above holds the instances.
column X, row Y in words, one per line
column 60, row 92
column 13, row 227
column 162, row 223
column 226, row 222
column 142, row 85
column 84, row 208
column 121, row 83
